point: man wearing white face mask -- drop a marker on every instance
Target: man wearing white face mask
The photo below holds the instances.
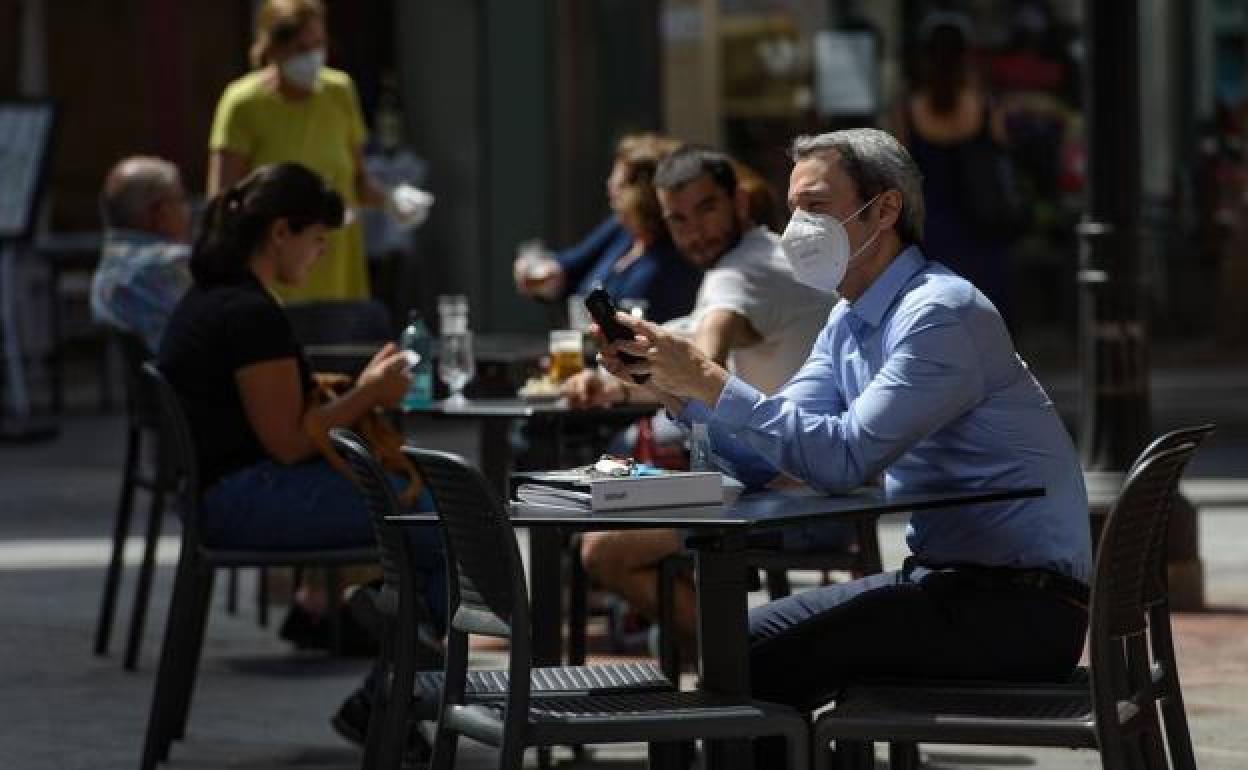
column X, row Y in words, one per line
column 293, row 108
column 913, row 380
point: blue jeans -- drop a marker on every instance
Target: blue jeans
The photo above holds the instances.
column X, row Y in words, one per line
column 309, row 506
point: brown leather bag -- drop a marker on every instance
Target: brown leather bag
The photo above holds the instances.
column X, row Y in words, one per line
column 382, row 439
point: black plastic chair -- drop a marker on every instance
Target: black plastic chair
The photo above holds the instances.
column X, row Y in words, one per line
column 1130, row 677
column 192, row 588
column 489, row 597
column 335, row 322
column 399, row 604
column 142, row 471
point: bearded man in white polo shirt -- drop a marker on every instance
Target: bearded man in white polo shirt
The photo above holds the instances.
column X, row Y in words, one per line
column 750, row 315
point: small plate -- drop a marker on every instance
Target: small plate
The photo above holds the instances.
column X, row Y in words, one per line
column 540, row 396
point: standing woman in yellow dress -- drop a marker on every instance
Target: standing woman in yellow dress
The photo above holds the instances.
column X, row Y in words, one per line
column 292, row 108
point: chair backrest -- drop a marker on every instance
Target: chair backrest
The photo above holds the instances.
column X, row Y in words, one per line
column 1194, row 435
column 1157, row 587
column 380, row 499
column 178, row 464
column 340, row 321
column 142, row 408
column 1129, row 555
column 487, row 584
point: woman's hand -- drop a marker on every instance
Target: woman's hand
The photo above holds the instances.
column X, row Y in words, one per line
column 387, row 376
column 536, row 273
column 676, row 367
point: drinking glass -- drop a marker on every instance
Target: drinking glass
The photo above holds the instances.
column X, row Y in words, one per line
column 567, row 353
column 456, row 364
column 578, row 314
column 634, row 306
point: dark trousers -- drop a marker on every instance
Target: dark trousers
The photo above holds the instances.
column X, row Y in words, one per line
column 913, row 623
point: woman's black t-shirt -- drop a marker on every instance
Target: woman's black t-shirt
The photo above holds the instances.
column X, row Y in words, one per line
column 214, row 332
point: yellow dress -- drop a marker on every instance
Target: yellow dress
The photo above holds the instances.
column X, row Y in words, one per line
column 321, row 132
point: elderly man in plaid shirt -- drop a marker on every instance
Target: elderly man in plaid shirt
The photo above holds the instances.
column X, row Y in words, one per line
column 143, row 269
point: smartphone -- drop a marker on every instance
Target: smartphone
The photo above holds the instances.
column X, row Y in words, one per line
column 602, row 309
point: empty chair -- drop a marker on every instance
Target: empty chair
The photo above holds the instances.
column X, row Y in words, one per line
column 398, row 602
column 1132, row 672
column 143, row 470
column 489, row 597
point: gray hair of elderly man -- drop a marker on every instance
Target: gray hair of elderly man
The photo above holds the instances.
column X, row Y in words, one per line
column 132, row 186
column 875, row 162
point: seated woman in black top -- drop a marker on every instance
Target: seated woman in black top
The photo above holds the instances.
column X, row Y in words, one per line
column 243, row 379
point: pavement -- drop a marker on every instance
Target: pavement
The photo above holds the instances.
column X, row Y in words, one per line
column 259, row 704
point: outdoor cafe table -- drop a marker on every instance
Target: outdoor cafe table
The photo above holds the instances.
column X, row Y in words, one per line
column 718, row 534
column 495, row 416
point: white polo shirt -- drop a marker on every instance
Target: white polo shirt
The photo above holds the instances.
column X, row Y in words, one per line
column 754, row 280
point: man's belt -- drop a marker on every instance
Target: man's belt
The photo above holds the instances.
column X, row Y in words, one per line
column 1064, row 587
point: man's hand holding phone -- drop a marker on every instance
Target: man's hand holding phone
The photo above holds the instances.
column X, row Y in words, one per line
column 671, row 365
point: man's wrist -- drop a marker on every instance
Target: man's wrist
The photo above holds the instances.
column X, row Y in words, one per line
column 711, row 382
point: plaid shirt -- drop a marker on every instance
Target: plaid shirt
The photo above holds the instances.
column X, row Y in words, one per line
column 138, row 282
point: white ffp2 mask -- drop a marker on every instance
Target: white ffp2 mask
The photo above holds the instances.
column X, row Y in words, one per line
column 303, row 69
column 817, row 247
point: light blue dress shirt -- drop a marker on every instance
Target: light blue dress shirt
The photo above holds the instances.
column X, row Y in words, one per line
column 918, row 380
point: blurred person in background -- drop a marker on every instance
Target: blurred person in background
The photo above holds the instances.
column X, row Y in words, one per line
column 630, row 254
column 949, row 122
column 292, row 108
column 764, row 207
column 751, row 315
column 144, row 264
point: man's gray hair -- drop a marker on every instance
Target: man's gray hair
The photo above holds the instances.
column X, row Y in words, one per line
column 133, row 185
column 875, row 162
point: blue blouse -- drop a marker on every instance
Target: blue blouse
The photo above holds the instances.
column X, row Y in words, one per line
column 661, row 276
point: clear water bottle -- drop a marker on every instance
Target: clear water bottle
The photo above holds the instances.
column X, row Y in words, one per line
column 418, row 343
column 700, row 448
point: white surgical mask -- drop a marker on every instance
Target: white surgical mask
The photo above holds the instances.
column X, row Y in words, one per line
column 303, row 69
column 817, row 247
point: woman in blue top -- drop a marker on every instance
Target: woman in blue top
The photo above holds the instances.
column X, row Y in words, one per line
column 630, row 254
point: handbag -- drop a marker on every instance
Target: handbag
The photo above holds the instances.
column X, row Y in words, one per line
column 382, row 439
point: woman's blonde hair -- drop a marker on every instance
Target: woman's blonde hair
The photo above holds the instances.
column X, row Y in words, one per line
column 278, row 22
column 638, row 202
column 640, row 155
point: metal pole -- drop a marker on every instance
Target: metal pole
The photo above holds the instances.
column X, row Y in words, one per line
column 1114, row 423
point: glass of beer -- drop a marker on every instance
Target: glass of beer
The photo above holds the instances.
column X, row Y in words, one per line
column 567, row 353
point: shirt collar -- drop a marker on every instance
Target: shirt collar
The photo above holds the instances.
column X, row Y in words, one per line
column 880, row 295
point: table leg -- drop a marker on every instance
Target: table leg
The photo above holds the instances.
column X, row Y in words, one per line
column 723, row 635
column 495, row 436
column 546, row 593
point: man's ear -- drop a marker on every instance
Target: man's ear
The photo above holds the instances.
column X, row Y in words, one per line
column 741, row 203
column 889, row 209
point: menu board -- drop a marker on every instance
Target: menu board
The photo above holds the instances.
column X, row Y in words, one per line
column 846, row 73
column 25, row 129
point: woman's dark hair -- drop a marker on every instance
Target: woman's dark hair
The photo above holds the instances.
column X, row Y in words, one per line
column 237, row 221
column 946, row 59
